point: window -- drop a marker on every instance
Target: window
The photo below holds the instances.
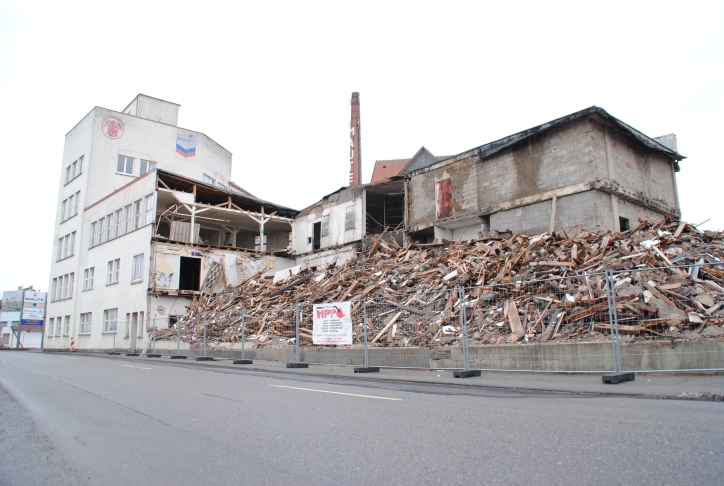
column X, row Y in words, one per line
column 109, row 227
column 110, row 320
column 138, row 213
column 208, row 180
column 149, row 209
column 129, row 218
column 72, row 244
column 69, row 207
column 66, row 327
column 101, row 223
column 623, row 224
column 113, row 271
column 59, row 323
column 63, row 287
column 119, row 223
column 93, row 235
column 60, row 248
column 125, row 165
column 51, row 324
column 147, row 166
column 85, row 323
column 66, row 246
column 349, row 218
column 137, row 268
column 325, row 225
column 74, row 170
column 88, row 275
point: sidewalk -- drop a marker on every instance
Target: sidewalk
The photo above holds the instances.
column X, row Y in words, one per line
column 649, row 385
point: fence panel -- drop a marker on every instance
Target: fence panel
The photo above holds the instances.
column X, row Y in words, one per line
column 670, row 318
column 345, row 355
column 531, row 325
column 420, row 330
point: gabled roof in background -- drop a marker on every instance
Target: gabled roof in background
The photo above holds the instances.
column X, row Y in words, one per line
column 387, row 169
column 489, row 149
column 384, row 169
column 236, row 187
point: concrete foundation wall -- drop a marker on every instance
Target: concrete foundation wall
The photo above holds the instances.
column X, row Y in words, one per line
column 590, row 357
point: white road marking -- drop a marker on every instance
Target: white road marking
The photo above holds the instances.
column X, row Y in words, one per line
column 74, row 359
column 137, row 367
column 337, row 393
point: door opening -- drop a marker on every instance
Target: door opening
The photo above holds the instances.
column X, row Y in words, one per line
column 189, row 274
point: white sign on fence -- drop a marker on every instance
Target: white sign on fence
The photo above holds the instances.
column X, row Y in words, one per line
column 332, row 323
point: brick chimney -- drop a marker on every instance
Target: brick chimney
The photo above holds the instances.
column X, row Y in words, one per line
column 355, row 144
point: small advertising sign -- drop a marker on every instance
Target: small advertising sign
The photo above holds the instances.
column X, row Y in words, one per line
column 332, row 324
column 185, row 145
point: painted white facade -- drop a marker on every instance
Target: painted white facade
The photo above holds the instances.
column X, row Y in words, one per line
column 120, row 266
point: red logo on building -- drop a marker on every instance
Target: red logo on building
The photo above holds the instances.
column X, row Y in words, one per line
column 112, row 128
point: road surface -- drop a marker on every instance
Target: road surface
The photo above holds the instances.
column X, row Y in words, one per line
column 95, row 420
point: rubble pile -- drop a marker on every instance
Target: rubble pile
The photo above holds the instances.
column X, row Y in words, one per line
column 519, row 289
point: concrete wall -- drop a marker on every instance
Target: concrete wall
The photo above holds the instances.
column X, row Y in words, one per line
column 148, row 140
column 334, row 208
column 515, row 187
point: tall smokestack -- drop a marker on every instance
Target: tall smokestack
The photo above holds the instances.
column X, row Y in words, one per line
column 355, row 144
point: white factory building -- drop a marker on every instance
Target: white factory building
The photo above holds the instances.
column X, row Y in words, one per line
column 147, row 217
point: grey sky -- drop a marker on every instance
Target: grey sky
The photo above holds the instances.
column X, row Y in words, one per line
column 271, row 82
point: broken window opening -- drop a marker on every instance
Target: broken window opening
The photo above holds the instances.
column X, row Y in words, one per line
column 189, row 274
column 384, row 211
column 316, row 235
column 623, row 224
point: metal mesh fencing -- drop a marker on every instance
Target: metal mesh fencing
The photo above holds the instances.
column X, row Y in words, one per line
column 670, row 318
column 420, row 330
column 529, row 325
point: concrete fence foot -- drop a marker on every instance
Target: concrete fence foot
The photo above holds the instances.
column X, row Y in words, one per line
column 466, row 373
column 368, row 369
column 243, row 361
column 178, row 357
column 132, row 354
column 615, row 378
column 152, row 355
column 204, row 358
column 297, row 365
column 114, row 353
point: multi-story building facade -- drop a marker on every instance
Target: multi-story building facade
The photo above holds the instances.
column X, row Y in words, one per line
column 146, row 219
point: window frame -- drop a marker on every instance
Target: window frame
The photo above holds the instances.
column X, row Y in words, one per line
column 86, row 319
column 114, row 270
column 137, row 268
column 110, row 319
column 51, row 326
column 126, row 160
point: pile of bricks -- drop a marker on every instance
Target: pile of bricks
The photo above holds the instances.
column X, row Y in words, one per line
column 517, row 289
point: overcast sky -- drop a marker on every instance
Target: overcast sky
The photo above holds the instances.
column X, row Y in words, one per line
column 271, row 82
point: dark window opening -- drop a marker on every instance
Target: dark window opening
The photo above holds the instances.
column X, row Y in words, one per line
column 316, row 236
column 189, row 274
column 172, row 320
column 623, row 224
column 164, row 229
column 384, row 211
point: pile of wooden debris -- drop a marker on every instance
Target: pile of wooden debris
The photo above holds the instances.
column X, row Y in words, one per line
column 519, row 289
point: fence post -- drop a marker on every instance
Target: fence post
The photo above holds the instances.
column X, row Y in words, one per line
column 467, row 372
column 366, row 368
column 154, row 335
column 617, row 376
column 178, row 339
column 204, row 357
column 297, row 363
column 243, row 359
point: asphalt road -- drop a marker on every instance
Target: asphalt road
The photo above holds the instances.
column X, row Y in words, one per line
column 94, row 420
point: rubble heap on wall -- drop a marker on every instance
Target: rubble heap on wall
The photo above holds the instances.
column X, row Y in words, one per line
column 521, row 289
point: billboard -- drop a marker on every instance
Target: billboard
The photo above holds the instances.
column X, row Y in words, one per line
column 332, row 324
column 33, row 308
column 11, row 300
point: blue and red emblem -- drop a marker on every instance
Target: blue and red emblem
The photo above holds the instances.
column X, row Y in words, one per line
column 185, row 145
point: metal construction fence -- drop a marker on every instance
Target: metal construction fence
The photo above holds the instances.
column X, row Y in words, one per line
column 631, row 319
